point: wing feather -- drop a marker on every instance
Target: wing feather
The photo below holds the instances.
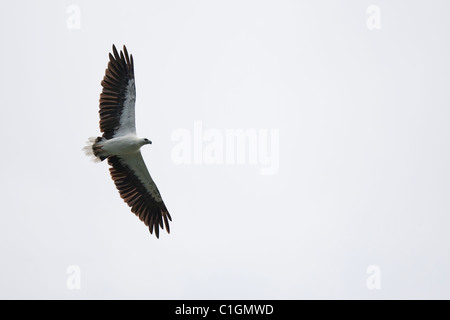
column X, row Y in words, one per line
column 137, row 189
column 117, row 100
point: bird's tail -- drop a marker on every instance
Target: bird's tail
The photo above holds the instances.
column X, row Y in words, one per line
column 93, row 149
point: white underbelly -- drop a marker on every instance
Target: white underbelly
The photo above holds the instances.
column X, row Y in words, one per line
column 123, row 145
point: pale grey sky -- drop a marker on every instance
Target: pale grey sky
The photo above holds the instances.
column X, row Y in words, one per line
column 356, row 92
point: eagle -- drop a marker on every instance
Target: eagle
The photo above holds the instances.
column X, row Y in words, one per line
column 120, row 146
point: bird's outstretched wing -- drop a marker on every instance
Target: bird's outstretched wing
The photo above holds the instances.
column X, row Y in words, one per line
column 118, row 96
column 137, row 189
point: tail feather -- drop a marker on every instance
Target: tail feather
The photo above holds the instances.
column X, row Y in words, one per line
column 93, row 149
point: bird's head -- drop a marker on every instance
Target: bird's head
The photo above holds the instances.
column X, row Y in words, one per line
column 146, row 141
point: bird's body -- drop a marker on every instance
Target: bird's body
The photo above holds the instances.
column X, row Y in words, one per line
column 120, row 145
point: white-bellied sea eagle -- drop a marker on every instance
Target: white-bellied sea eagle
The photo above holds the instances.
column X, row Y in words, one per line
column 120, row 145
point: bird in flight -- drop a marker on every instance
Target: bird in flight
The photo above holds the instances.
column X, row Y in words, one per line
column 121, row 147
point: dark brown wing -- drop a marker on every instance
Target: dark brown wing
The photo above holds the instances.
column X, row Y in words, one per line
column 138, row 190
column 118, row 95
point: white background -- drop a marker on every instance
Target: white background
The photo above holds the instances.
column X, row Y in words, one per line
column 363, row 117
